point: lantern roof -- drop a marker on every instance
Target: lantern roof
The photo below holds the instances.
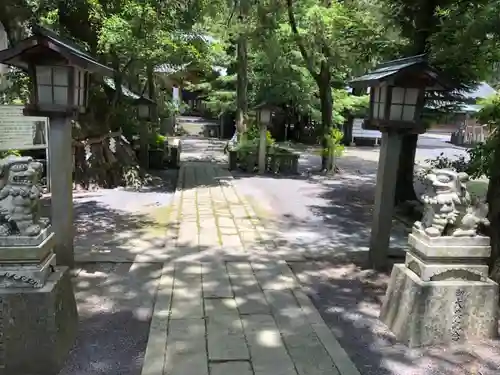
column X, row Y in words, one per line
column 415, row 66
column 47, row 46
column 265, row 105
column 128, row 93
column 145, row 100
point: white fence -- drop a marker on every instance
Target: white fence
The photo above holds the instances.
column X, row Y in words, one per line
column 359, row 132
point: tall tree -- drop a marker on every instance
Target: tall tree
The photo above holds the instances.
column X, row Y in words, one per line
column 334, row 39
column 458, row 38
column 242, row 66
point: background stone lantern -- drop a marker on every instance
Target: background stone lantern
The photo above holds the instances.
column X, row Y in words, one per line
column 397, row 98
column 264, row 115
column 145, row 109
column 146, row 112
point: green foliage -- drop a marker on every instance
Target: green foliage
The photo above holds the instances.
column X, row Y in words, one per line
column 460, row 164
column 157, row 141
column 482, row 156
column 335, row 147
column 4, row 154
column 253, row 133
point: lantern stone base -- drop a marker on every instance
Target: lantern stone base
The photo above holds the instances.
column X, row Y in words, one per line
column 442, row 294
column 38, row 326
column 424, row 313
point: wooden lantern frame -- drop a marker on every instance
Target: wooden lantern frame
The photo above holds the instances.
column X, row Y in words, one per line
column 409, row 75
column 47, row 50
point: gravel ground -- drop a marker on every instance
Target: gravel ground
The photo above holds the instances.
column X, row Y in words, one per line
column 115, row 302
column 349, row 299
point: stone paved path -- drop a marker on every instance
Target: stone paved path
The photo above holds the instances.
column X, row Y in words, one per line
column 210, row 220
column 227, row 302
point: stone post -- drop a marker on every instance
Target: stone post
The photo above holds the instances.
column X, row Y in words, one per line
column 144, row 144
column 262, row 149
column 38, row 315
column 384, row 198
column 61, row 178
column 442, row 293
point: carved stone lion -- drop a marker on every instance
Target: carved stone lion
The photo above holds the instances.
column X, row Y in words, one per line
column 448, row 210
column 20, row 196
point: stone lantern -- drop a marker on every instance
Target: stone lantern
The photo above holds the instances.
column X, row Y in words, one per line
column 397, row 97
column 39, row 312
column 145, row 109
column 146, row 112
column 264, row 114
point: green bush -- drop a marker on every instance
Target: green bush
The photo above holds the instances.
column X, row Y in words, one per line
column 157, row 141
column 460, row 164
column 253, row 133
column 4, row 154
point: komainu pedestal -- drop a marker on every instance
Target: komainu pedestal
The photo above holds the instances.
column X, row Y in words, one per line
column 38, row 315
column 442, row 293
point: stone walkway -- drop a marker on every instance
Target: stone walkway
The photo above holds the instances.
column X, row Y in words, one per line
column 210, row 220
column 227, row 301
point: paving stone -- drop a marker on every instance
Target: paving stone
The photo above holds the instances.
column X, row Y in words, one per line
column 329, row 341
column 209, row 238
column 186, row 348
column 225, row 222
column 231, row 368
column 244, row 224
column 229, row 231
column 248, row 237
column 304, row 346
column 226, row 339
column 269, row 355
column 249, row 297
column 216, row 281
column 187, row 301
column 154, row 357
column 275, row 275
column 221, row 306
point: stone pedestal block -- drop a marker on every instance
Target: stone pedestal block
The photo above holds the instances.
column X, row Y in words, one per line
column 424, row 313
column 38, row 326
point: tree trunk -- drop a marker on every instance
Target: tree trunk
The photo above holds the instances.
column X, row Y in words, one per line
column 425, row 21
column 242, row 75
column 493, row 198
column 405, row 190
column 326, row 102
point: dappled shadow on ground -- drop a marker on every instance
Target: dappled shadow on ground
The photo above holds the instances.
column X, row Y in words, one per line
column 323, row 216
column 104, row 231
column 349, row 299
column 116, row 302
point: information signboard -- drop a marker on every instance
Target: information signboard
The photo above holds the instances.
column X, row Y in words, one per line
column 19, row 132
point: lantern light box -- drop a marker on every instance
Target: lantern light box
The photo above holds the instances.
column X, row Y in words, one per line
column 397, row 92
column 58, row 69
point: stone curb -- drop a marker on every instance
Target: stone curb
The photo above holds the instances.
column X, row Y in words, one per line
column 325, row 335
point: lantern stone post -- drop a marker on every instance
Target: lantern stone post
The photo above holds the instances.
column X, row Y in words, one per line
column 145, row 114
column 397, row 95
column 264, row 113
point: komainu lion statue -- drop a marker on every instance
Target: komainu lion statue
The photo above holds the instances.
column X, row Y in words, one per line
column 20, row 196
column 449, row 210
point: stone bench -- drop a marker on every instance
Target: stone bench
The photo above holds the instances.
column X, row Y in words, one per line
column 277, row 161
column 175, row 149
